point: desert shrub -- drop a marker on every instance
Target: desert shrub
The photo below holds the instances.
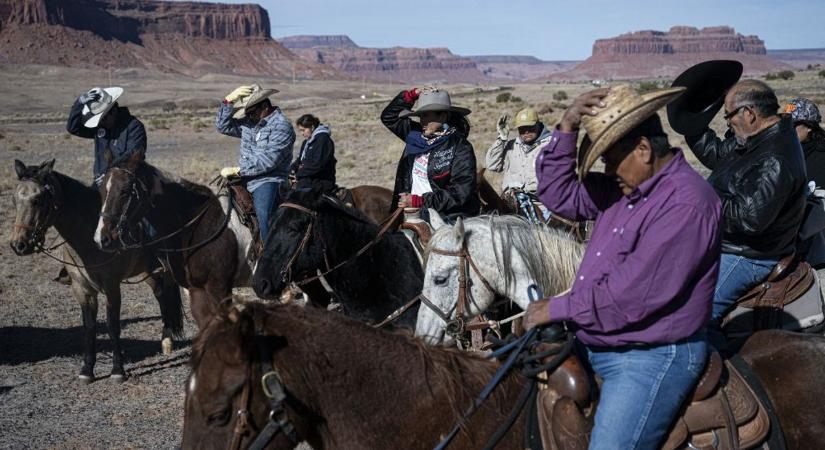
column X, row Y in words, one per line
column 647, row 86
column 504, row 97
column 515, row 99
column 198, row 126
column 822, row 73
column 781, row 75
column 560, row 96
column 168, row 107
column 559, row 105
column 158, row 124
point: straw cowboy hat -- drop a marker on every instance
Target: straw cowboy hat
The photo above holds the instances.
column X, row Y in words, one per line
column 625, row 110
column 434, row 101
column 95, row 110
column 258, row 95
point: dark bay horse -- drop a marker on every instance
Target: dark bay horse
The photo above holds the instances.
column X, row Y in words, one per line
column 312, row 232
column 207, row 251
column 350, row 386
column 44, row 198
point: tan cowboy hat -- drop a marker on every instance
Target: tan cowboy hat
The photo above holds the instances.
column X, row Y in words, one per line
column 94, row 111
column 258, row 95
column 434, row 101
column 625, row 110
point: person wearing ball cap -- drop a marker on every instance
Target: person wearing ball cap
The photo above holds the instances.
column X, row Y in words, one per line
column 641, row 298
column 116, row 132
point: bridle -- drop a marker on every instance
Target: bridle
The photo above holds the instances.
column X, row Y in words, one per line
column 137, row 192
column 456, row 327
column 275, row 391
column 286, row 272
column 38, row 231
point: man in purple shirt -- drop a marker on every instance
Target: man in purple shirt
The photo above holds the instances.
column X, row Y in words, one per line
column 643, row 293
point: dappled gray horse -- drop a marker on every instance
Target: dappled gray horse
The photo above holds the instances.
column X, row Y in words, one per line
column 503, row 255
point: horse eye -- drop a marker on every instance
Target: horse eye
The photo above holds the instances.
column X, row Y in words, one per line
column 440, row 281
column 219, row 418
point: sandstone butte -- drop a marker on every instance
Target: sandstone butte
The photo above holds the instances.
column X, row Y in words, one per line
column 385, row 64
column 191, row 38
column 649, row 54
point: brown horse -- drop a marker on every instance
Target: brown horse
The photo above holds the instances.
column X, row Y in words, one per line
column 207, row 251
column 374, row 201
column 490, row 200
column 350, row 386
column 44, row 198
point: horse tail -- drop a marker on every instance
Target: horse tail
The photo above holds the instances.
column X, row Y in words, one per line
column 171, row 305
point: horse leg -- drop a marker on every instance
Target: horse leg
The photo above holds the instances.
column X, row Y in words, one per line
column 113, row 321
column 168, row 295
column 88, row 308
column 200, row 302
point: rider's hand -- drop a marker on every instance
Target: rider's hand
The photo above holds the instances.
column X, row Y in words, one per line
column 503, row 127
column 406, row 200
column 239, row 92
column 583, row 105
column 411, row 95
column 229, row 172
column 538, row 314
column 91, row 96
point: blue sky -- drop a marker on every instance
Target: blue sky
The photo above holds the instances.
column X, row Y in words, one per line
column 550, row 30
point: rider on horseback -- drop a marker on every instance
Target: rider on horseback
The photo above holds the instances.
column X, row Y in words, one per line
column 641, row 299
column 267, row 138
column 516, row 158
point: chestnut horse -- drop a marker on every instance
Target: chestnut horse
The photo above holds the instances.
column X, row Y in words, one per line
column 46, row 198
column 207, row 251
column 349, row 386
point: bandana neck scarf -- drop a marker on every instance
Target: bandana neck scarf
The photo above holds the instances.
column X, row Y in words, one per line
column 417, row 143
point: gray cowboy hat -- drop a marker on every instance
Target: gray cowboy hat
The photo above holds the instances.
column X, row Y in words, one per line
column 434, row 101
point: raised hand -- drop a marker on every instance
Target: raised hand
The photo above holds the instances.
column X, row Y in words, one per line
column 583, row 105
column 239, row 92
column 503, row 127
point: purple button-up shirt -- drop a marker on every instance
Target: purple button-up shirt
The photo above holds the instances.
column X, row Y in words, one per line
column 650, row 269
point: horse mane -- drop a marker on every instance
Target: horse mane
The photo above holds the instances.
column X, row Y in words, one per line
column 552, row 256
column 450, row 372
column 166, row 177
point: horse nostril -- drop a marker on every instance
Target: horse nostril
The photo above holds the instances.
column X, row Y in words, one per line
column 105, row 241
column 263, row 287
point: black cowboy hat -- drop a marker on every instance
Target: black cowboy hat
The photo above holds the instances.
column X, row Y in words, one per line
column 707, row 84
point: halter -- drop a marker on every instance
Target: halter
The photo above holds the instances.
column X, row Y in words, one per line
column 38, row 231
column 137, row 191
column 276, row 393
column 457, row 327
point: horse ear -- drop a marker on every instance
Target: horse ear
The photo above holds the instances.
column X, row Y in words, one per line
column 435, row 219
column 46, row 167
column 19, row 169
column 458, row 229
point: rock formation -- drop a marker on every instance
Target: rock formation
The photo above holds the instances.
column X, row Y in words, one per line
column 192, row 38
column 649, row 54
column 385, row 64
column 519, row 68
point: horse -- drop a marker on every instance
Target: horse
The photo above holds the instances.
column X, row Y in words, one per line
column 45, row 198
column 374, row 201
column 488, row 196
column 199, row 236
column 505, row 255
column 344, row 385
column 312, row 232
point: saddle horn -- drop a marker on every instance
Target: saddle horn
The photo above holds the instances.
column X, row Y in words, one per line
column 706, row 85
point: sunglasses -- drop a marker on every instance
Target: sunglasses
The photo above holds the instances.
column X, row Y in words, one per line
column 729, row 115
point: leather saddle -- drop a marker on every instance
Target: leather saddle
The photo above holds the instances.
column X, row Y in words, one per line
column 789, row 280
column 420, row 229
column 245, row 208
column 723, row 412
column 344, row 195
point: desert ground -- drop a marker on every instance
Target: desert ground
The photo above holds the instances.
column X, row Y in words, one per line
column 41, row 403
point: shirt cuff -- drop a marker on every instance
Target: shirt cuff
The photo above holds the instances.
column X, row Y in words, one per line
column 564, row 142
column 559, row 308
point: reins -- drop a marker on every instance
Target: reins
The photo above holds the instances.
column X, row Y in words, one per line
column 286, row 272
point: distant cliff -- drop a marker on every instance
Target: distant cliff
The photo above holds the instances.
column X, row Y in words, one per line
column 187, row 37
column 384, row 64
column 519, row 67
column 649, row 53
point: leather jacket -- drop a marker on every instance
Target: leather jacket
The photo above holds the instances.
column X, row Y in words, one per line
column 762, row 185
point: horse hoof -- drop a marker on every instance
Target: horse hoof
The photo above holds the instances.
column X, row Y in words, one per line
column 166, row 346
column 118, row 378
column 85, row 379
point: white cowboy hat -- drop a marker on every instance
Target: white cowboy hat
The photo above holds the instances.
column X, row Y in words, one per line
column 257, row 96
column 94, row 111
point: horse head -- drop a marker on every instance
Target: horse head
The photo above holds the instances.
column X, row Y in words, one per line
column 455, row 289
column 294, row 248
column 36, row 202
column 226, row 405
column 126, row 199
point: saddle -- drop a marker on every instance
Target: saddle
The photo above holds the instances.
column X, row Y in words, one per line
column 789, row 280
column 532, row 211
column 420, row 229
column 245, row 208
column 723, row 412
column 344, row 195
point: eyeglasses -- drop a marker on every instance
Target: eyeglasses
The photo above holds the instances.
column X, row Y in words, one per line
column 729, row 115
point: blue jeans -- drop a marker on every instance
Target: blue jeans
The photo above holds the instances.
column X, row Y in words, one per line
column 737, row 274
column 643, row 390
column 266, row 198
